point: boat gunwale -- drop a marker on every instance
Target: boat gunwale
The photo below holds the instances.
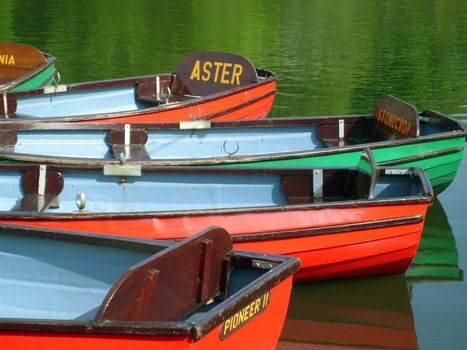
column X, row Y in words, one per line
column 22, row 215
column 323, row 230
column 221, row 124
column 283, row 267
column 50, row 60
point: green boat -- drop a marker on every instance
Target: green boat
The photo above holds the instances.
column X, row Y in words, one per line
column 24, row 67
column 396, row 133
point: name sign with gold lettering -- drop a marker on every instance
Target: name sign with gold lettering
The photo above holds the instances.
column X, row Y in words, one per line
column 398, row 117
column 20, row 56
column 202, row 73
column 244, row 315
column 7, row 59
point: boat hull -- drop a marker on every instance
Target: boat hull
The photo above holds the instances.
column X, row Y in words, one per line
column 253, row 103
column 440, row 159
column 42, row 78
column 261, row 332
column 331, row 241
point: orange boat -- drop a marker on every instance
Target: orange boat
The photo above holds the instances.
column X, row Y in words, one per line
column 84, row 291
column 340, row 222
column 203, row 86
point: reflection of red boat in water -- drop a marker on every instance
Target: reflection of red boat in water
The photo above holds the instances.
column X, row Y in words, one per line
column 437, row 258
column 350, row 314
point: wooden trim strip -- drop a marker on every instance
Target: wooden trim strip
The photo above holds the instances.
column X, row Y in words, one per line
column 312, row 121
column 124, row 242
column 299, row 121
column 194, row 213
column 323, row 230
column 422, row 156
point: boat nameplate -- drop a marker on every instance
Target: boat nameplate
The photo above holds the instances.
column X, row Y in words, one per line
column 5, row 105
column 252, row 309
column 265, row 265
column 425, row 119
column 195, row 124
column 317, row 185
column 42, row 178
column 341, row 132
column 53, row 89
column 127, row 134
column 396, row 171
column 122, row 170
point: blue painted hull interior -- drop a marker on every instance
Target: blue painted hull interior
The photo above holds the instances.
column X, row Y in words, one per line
column 396, row 186
column 53, row 279
column 154, row 192
column 58, row 280
column 160, row 192
column 76, row 103
column 174, row 144
column 85, row 144
column 186, row 144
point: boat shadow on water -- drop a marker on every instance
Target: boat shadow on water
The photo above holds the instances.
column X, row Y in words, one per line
column 437, row 257
column 353, row 313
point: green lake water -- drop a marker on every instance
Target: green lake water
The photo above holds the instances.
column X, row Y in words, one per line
column 331, row 57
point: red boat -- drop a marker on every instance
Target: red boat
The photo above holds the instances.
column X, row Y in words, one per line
column 340, row 222
column 203, row 86
column 84, row 292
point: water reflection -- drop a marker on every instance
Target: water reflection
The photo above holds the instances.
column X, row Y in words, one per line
column 331, row 57
column 437, row 258
column 354, row 313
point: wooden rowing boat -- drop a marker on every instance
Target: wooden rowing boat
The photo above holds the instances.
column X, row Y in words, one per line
column 339, row 221
column 436, row 146
column 363, row 313
column 203, row 85
column 85, row 291
column 25, row 67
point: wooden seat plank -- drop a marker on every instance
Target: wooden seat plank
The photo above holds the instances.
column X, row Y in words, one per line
column 172, row 283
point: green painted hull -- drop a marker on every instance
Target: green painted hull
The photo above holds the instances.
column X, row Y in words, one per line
column 44, row 78
column 440, row 159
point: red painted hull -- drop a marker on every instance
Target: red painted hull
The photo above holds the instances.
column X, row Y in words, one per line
column 332, row 242
column 262, row 332
column 253, row 103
